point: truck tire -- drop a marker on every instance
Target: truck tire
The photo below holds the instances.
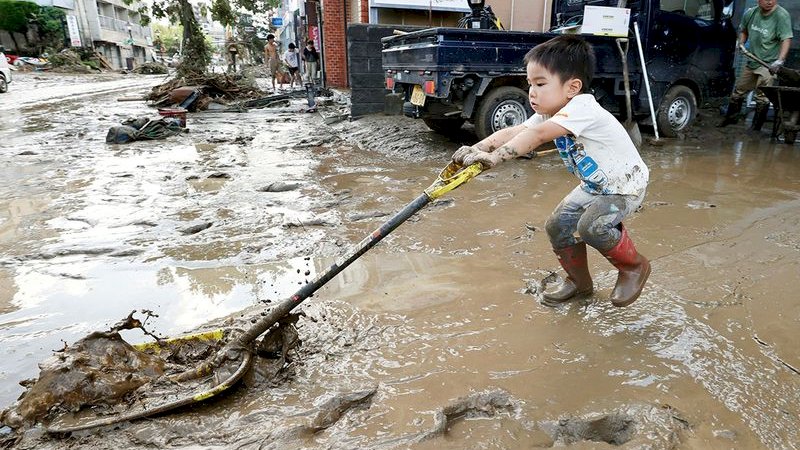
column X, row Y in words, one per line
column 3, row 84
column 444, row 126
column 676, row 111
column 506, row 106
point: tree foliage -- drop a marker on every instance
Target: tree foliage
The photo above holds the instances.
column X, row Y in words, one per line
column 196, row 51
column 170, row 37
column 50, row 24
column 16, row 16
column 22, row 16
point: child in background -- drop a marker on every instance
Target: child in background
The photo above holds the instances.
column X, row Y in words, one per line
column 292, row 60
column 596, row 149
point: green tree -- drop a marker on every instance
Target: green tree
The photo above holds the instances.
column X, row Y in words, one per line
column 16, row 17
column 50, row 28
column 170, row 36
column 196, row 52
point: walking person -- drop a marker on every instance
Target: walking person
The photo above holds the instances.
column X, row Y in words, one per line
column 292, row 60
column 310, row 62
column 596, row 149
column 767, row 31
column 272, row 58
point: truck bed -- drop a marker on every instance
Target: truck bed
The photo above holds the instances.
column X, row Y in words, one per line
column 471, row 50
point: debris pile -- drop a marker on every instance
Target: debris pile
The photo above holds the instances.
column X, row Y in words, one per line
column 151, row 68
column 145, row 128
column 98, row 370
column 208, row 87
column 70, row 61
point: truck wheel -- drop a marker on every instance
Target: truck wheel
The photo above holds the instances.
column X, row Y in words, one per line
column 444, row 126
column 3, row 84
column 677, row 111
column 506, row 106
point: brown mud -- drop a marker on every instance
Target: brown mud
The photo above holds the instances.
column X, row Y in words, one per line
column 435, row 338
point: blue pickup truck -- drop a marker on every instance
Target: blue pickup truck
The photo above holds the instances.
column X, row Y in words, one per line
column 449, row 76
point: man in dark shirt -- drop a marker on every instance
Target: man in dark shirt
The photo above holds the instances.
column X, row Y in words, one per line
column 310, row 61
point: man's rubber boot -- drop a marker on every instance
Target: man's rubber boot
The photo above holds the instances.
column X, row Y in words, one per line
column 759, row 116
column 633, row 270
column 578, row 282
column 732, row 114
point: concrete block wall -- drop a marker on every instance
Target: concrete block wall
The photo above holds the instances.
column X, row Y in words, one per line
column 364, row 66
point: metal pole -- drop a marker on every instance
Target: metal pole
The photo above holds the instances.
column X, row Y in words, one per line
column 320, row 23
column 646, row 79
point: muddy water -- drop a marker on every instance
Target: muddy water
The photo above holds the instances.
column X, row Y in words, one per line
column 446, row 307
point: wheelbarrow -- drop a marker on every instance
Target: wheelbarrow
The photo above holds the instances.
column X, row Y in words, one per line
column 786, row 101
column 785, row 98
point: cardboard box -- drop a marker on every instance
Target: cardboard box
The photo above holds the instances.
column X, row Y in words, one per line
column 606, row 21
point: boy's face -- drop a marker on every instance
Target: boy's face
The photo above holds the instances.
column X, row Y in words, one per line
column 547, row 93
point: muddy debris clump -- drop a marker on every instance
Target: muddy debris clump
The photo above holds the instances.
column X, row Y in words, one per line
column 99, row 370
column 632, row 426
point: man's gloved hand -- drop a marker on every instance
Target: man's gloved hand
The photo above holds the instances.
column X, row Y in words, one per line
column 462, row 152
column 488, row 160
column 773, row 68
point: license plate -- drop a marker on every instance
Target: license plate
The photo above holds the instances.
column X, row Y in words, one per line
column 418, row 96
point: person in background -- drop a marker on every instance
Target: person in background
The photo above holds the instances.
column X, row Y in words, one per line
column 310, row 61
column 767, row 30
column 292, row 60
column 272, row 58
column 597, row 150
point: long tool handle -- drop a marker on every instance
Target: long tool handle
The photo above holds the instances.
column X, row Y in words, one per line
column 646, row 79
column 755, row 58
column 450, row 178
column 355, row 252
column 623, row 53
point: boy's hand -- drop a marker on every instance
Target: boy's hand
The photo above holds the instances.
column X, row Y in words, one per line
column 488, row 160
column 461, row 153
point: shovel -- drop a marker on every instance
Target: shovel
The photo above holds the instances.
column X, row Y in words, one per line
column 787, row 75
column 630, row 126
column 232, row 361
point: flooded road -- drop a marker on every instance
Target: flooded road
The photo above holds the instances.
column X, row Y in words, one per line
column 440, row 325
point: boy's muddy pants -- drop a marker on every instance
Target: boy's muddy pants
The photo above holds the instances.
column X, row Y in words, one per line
column 597, row 219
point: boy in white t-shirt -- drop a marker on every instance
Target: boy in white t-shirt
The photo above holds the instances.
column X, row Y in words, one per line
column 595, row 148
column 292, row 60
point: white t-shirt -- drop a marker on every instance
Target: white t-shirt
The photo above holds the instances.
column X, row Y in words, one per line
column 292, row 58
column 598, row 150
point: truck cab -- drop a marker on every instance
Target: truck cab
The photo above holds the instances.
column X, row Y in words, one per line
column 448, row 76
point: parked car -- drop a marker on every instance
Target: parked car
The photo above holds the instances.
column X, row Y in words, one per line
column 5, row 73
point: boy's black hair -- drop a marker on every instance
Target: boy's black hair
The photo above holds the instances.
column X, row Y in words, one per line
column 567, row 56
column 291, row 45
column 270, row 36
column 310, row 42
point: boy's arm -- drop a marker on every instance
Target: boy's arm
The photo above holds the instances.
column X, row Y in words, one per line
column 489, row 144
column 522, row 143
column 498, row 138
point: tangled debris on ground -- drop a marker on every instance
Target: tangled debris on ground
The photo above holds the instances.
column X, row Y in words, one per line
column 99, row 370
column 102, row 375
column 70, row 61
column 151, row 68
column 214, row 86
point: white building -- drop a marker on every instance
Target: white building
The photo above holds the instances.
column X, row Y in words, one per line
column 111, row 27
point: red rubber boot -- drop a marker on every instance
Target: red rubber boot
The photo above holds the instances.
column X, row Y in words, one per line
column 633, row 270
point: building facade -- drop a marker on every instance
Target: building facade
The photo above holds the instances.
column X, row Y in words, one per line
column 517, row 15
column 111, row 27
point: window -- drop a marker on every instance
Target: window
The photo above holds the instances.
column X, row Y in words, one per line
column 699, row 9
